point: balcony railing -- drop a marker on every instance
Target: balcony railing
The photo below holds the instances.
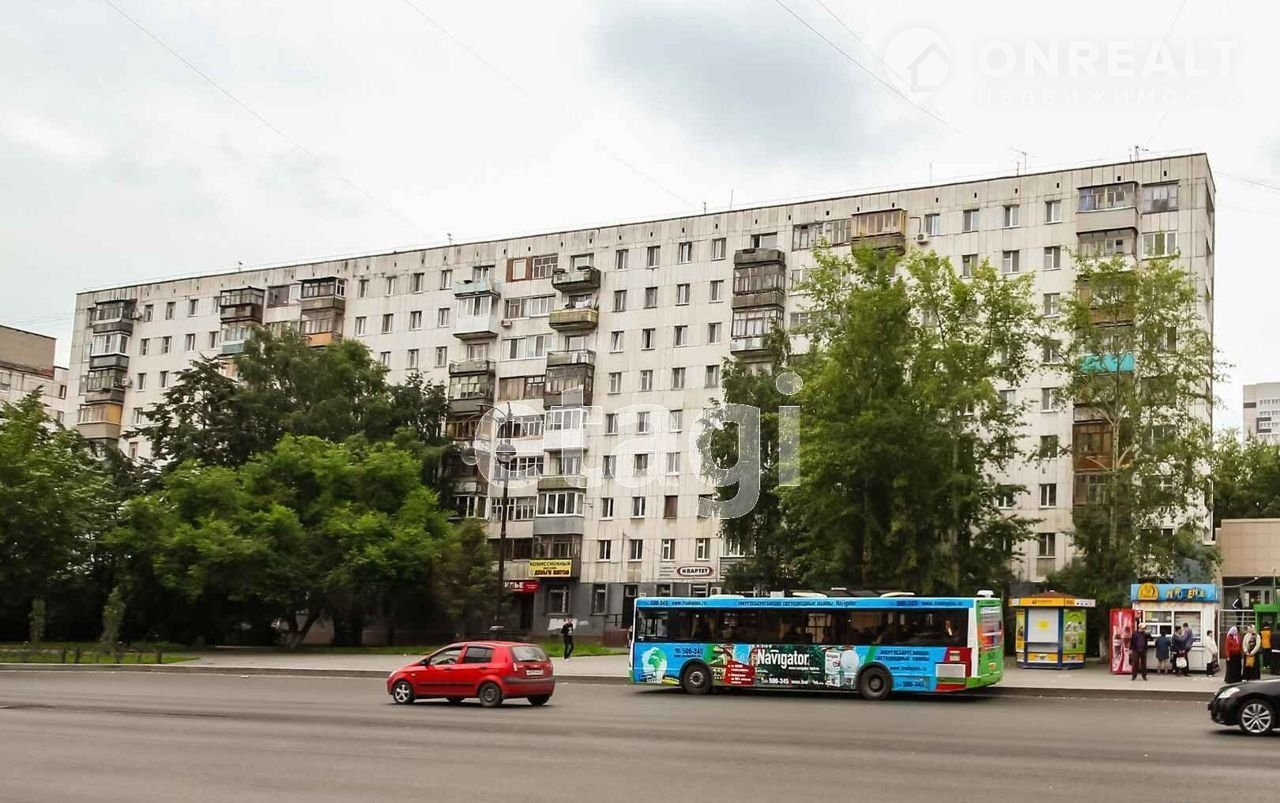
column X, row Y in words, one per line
column 576, row 280
column 485, row 285
column 574, row 319
column 576, row 357
column 463, row 367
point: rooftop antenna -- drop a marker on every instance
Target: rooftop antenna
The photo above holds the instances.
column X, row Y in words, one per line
column 1138, row 150
column 1021, row 163
column 731, row 197
column 449, row 234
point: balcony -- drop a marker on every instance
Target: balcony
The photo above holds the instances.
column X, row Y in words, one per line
column 319, row 339
column 322, row 327
column 241, row 305
column 747, row 346
column 562, row 482
column 465, row 367
column 569, row 378
column 768, row 297
column 577, row 357
column 483, row 286
column 112, row 316
column 1107, row 363
column 328, row 293
column 1107, row 220
column 104, row 386
column 759, row 278
column 884, row 230
column 576, row 280
column 477, row 327
column 471, row 393
column 100, row 421
column 558, row 525
column 575, row 319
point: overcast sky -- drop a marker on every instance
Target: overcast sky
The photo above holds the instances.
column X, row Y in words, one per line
column 205, row 134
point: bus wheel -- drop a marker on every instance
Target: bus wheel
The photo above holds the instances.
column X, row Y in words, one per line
column 874, row 683
column 696, row 679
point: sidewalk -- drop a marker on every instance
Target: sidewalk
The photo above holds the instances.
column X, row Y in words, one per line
column 1091, row 681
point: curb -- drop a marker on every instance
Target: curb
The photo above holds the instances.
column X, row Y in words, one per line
column 1177, row 695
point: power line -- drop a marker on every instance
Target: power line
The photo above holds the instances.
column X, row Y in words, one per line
column 528, row 95
column 261, row 119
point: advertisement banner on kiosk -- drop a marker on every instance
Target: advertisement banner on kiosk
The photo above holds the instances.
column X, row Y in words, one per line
column 1073, row 635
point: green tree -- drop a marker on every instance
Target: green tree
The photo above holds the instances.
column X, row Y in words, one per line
column 763, row 534
column 903, row 430
column 55, row 500
column 1246, row 478
column 1139, row 368
column 308, row 529
column 465, row 581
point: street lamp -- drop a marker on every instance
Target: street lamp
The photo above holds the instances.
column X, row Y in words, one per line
column 505, row 452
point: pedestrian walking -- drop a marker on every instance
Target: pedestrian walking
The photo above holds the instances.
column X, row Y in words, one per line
column 1138, row 653
column 1210, row 654
column 566, row 633
column 1164, row 646
column 1251, row 646
column 1231, row 649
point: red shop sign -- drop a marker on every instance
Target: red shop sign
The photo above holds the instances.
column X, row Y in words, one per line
column 522, row 586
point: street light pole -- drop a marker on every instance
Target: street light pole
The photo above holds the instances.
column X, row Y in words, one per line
column 504, row 453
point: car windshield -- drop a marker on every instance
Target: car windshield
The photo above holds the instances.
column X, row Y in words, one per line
column 526, row 653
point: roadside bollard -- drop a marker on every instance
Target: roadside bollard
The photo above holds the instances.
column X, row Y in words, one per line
column 77, row 656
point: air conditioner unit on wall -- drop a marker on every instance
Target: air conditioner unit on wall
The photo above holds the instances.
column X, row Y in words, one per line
column 922, row 238
column 506, row 323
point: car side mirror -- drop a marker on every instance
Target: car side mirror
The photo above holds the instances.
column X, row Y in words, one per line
column 425, row 662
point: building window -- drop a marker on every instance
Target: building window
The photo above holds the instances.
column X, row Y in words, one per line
column 654, row 256
column 412, row 362
column 560, row 503
column 616, row 341
column 933, row 224
column 362, row 288
column 609, row 465
column 637, row 512
column 1048, row 447
column 1053, row 257
column 611, row 423
column 442, row 317
column 1006, row 499
column 169, row 309
column 677, row 379
column 713, row 332
column 702, row 549
column 681, row 336
column 713, row 376
column 384, row 357
column 673, row 462
column 1159, row 244
column 968, row 264
column 1011, row 215
column 1048, row 494
column 361, row 324
column 557, row 600
column 646, row 380
column 1160, row 197
column 143, row 345
column 663, row 590
column 213, row 340
column 164, row 379
column 644, row 422
column 767, row 240
column 148, row 312
column 388, row 321
column 166, row 345
column 1010, row 262
column 1046, row 545
column 193, row 307
column 717, row 248
column 446, row 279
column 970, row 220
column 1053, row 211
column 141, row 383
column 189, row 342
column 619, row 300
column 1052, row 304
column 668, row 548
column 707, row 508
column 717, row 289
column 686, row 253
column 635, row 549
column 615, row 382
column 416, row 281
column 1051, row 352
column 442, row 356
column 1008, row 398
column 682, row 294
column 646, row 339
column 650, row 298
column 599, row 599
column 1048, row 400
column 640, row 466
column 675, row 420
column 620, row 259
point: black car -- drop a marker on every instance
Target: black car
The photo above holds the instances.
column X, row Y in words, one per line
column 1252, row 705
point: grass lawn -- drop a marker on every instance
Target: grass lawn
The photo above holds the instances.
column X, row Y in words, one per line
column 52, row 653
column 554, row 648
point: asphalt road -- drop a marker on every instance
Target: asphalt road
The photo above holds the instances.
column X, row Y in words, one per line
column 118, row 736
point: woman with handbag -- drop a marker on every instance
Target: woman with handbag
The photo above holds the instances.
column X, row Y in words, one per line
column 1251, row 645
column 1231, row 649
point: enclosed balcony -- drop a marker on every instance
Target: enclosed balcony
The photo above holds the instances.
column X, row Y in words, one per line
column 470, row 394
column 100, row 421
column 750, row 329
column 575, row 319
column 759, row 278
column 884, row 230
column 1107, row 207
column 569, row 378
column 113, row 316
column 477, row 286
column 465, row 367
column 110, row 350
column 104, row 386
column 562, row 482
column 477, row 317
column 328, row 293
column 322, row 327
column 576, row 280
column 241, row 305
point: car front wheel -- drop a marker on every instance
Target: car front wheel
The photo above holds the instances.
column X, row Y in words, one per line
column 1257, row 717
column 402, row 692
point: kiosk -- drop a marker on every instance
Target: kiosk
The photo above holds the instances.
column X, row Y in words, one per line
column 1161, row 608
column 1050, row 630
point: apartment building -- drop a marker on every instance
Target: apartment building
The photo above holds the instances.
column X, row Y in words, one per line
column 26, row 364
column 606, row 343
column 1262, row 411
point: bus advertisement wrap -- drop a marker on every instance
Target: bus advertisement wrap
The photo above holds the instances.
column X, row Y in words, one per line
column 805, row 666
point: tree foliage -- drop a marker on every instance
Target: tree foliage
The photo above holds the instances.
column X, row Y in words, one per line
column 1139, row 367
column 1246, row 478
column 465, row 580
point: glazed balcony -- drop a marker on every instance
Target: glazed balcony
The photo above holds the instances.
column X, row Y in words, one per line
column 242, row 305
column 113, row 316
column 576, row 280
column 328, row 293
column 466, row 367
column 883, row 230
column 104, row 386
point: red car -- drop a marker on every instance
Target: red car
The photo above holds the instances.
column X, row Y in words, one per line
column 490, row 671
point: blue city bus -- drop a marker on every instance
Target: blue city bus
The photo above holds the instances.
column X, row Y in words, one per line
column 873, row 645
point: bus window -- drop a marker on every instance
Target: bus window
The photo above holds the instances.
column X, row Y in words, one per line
column 738, row 626
column 702, row 625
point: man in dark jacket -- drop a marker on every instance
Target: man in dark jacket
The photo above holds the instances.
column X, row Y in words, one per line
column 1138, row 652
